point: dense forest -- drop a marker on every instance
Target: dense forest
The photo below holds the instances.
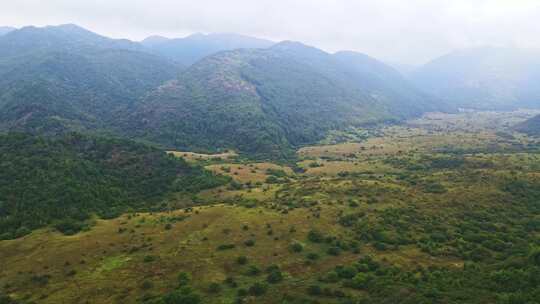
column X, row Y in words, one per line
column 64, row 181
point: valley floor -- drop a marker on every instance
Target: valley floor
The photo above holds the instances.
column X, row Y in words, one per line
column 443, row 209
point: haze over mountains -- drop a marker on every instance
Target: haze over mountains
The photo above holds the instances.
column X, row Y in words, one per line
column 220, row 91
column 484, row 78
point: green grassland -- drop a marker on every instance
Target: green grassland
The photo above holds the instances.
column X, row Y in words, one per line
column 443, row 209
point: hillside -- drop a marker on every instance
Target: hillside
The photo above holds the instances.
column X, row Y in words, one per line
column 67, row 78
column 484, row 78
column 266, row 101
column 66, row 180
column 191, row 49
column 530, row 126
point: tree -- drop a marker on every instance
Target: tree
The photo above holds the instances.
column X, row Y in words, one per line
column 184, row 279
column 258, row 289
column 184, row 295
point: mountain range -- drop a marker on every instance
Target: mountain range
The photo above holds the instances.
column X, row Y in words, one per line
column 268, row 100
column 227, row 91
column 248, row 94
column 191, row 49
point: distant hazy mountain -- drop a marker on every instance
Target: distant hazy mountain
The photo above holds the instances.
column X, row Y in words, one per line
column 404, row 69
column 152, row 41
column 484, row 78
column 68, row 37
column 267, row 100
column 65, row 77
column 531, row 126
column 187, row 51
column 6, row 29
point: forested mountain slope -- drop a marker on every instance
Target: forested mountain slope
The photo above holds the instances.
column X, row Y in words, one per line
column 65, row 77
column 67, row 179
column 269, row 100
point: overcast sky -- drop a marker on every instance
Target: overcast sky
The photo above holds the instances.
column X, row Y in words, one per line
column 404, row 31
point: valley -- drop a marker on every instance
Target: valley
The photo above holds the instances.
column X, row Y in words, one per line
column 437, row 209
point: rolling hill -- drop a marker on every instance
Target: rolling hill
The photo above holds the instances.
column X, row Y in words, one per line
column 266, row 101
column 484, row 78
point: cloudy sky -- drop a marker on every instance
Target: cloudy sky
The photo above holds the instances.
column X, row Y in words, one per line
column 400, row 31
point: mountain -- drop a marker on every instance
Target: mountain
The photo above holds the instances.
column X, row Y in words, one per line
column 6, row 29
column 484, row 78
column 265, row 101
column 189, row 50
column 67, row 78
column 67, row 37
column 403, row 68
column 387, row 85
column 530, row 126
column 66, row 180
column 152, row 41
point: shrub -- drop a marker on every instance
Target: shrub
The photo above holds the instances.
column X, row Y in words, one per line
column 231, row 282
column 334, row 251
column 258, row 289
column 249, row 243
column 242, row 292
column 296, row 247
column 184, row 295
column 242, row 260
column 330, row 277
column 214, row 287
column 315, row 236
column 312, row 256
column 534, row 256
column 346, row 272
column 275, row 276
column 361, row 280
column 314, row 290
column 146, row 285
column 183, row 279
column 149, row 258
column 226, row 247
column 253, row 270
column 69, row 227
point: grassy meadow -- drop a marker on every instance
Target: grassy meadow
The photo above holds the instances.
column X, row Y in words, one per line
column 442, row 209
